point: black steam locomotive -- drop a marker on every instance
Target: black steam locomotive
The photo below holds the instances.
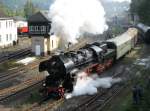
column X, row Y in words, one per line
column 62, row 69
column 92, row 58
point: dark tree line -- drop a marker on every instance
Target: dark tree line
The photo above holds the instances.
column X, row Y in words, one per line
column 5, row 10
column 26, row 11
column 142, row 9
column 29, row 9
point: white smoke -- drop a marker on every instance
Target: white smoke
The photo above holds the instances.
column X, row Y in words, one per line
column 120, row 0
column 89, row 84
column 72, row 18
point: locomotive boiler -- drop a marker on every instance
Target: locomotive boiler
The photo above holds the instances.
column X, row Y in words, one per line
column 144, row 31
column 92, row 58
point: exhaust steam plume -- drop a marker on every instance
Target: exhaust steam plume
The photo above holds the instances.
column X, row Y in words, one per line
column 120, row 0
column 72, row 18
column 89, row 84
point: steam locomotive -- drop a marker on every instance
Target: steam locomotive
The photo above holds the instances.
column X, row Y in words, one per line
column 144, row 32
column 92, row 58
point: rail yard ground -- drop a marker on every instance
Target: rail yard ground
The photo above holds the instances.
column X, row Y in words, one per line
column 133, row 69
column 124, row 101
column 24, row 42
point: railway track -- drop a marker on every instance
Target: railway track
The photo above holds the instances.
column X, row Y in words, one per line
column 45, row 107
column 99, row 101
column 7, row 93
column 4, row 77
column 14, row 55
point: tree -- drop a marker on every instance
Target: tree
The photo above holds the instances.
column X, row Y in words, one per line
column 29, row 9
column 142, row 9
column 5, row 10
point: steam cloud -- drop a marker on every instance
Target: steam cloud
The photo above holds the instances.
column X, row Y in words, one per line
column 88, row 85
column 72, row 18
column 120, row 0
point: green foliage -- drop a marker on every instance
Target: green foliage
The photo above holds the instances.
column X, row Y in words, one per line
column 5, row 10
column 29, row 9
column 117, row 30
column 8, row 65
column 125, row 101
column 142, row 9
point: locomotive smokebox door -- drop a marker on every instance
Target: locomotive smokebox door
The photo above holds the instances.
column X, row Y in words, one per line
column 43, row 66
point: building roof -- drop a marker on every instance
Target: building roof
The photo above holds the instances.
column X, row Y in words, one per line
column 41, row 16
column 19, row 18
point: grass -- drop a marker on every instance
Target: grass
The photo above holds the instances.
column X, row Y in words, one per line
column 7, row 65
column 124, row 102
column 34, row 97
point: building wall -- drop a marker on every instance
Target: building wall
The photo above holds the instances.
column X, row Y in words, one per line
column 21, row 23
column 38, row 41
column 54, row 42
column 8, row 32
column 46, row 45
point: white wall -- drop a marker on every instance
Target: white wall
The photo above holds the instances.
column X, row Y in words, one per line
column 54, row 42
column 8, row 32
column 21, row 23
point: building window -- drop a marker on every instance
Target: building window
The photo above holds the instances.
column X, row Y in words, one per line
column 7, row 37
column 52, row 43
column 10, row 37
column 48, row 28
column 6, row 24
column 31, row 28
column 0, row 38
column 43, row 28
column 15, row 36
column 36, row 28
column 9, row 23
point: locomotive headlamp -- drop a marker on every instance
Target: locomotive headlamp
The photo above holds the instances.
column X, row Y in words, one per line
column 44, row 84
